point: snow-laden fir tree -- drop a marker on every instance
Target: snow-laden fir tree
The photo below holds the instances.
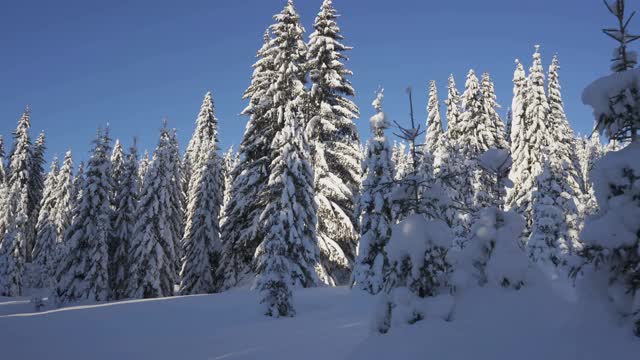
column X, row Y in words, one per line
column 83, row 273
column 434, row 130
column 453, row 109
column 36, row 187
column 612, row 235
column 556, row 222
column 334, row 145
column 178, row 197
column 198, row 155
column 230, row 160
column 143, row 166
column 564, row 141
column 490, row 117
column 202, row 232
column 530, row 137
column 152, row 267
column 44, row 251
column 20, row 167
column 242, row 212
column 117, row 172
column 288, row 255
column 12, row 253
column 64, row 193
column 125, row 206
column 78, row 184
column 375, row 206
column 205, row 134
column 278, row 78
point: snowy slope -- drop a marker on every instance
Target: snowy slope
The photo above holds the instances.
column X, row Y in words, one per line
column 332, row 323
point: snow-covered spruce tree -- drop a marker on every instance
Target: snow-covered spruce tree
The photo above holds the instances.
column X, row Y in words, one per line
column 12, row 253
column 612, row 236
column 530, row 137
column 374, row 206
column 453, row 109
column 564, row 141
column 117, row 172
column 419, row 269
column 288, row 254
column 241, row 213
column 230, row 160
column 125, row 206
column 36, row 187
column 491, row 119
column 44, row 251
column 205, row 134
column 434, row 132
column 201, row 241
column 64, row 193
column 334, row 145
column 178, row 197
column 202, row 232
column 78, row 185
column 83, row 274
column 277, row 79
column 20, row 167
column 555, row 223
column 152, row 267
column 145, row 162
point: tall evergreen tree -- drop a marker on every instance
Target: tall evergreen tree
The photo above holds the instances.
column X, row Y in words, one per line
column 490, row 116
column 177, row 197
column 206, row 133
column 241, row 213
column 453, row 110
column 564, row 141
column 78, row 184
column 530, row 137
column 36, row 187
column 83, row 271
column 507, row 126
column 63, row 211
column 143, row 167
column 334, row 145
column 435, row 132
column 14, row 225
column 153, row 250
column 202, row 233
column 44, row 250
column 375, row 206
column 230, row 160
column 125, row 204
column 12, row 254
column 278, row 77
column 288, row 255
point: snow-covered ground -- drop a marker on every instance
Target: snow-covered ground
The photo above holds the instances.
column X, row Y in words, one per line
column 332, row 323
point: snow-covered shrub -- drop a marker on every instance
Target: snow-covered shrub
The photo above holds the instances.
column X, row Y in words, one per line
column 419, row 268
column 612, row 236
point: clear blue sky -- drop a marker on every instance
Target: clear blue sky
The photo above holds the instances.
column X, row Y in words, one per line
column 81, row 64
